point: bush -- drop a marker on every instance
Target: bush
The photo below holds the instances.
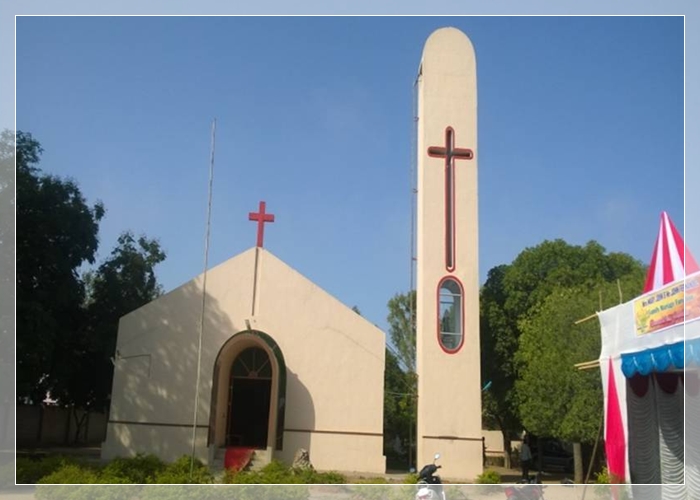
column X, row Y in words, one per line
column 178, row 472
column 489, row 477
column 371, row 480
column 141, row 469
column 70, row 474
column 310, row 476
column 411, row 478
column 602, row 477
column 31, row 470
column 277, row 473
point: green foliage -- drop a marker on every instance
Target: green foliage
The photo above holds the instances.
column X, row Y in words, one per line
column 31, row 470
column 122, row 283
column 178, row 472
column 555, row 398
column 141, row 469
column 399, row 408
column 400, row 380
column 277, row 473
column 71, row 474
column 62, row 316
column 499, row 340
column 331, row 477
column 371, row 480
column 538, row 271
column 402, row 329
column 489, row 477
column 59, row 234
column 602, row 477
column 530, row 344
column 411, row 478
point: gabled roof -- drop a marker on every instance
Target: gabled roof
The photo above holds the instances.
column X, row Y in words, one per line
column 670, row 257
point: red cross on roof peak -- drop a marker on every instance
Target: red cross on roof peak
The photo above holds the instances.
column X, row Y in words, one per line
column 261, row 217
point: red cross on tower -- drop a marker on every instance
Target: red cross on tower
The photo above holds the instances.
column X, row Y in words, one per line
column 261, row 217
column 450, row 153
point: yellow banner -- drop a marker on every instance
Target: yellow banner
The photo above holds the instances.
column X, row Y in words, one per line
column 659, row 310
column 692, row 297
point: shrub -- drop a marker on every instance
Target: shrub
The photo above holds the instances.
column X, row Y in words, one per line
column 31, row 470
column 411, row 478
column 602, row 477
column 141, row 469
column 277, row 473
column 310, row 476
column 178, row 472
column 371, row 480
column 489, row 477
column 70, row 474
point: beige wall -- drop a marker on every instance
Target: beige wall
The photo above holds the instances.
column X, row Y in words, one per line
column 449, row 396
column 334, row 360
column 494, row 441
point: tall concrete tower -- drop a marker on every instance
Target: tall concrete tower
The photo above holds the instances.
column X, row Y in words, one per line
column 447, row 312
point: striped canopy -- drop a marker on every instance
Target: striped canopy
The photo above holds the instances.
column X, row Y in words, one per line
column 669, row 256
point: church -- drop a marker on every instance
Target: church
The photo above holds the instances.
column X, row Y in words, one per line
column 282, row 365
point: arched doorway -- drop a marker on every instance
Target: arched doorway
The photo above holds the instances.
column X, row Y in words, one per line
column 250, row 390
column 248, row 393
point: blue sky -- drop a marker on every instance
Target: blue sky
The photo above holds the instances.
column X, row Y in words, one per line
column 581, row 124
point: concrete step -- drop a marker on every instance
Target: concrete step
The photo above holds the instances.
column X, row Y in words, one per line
column 259, row 460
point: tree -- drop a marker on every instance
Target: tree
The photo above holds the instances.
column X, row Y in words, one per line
column 513, row 294
column 549, row 288
column 537, row 271
column 121, row 284
column 58, row 235
column 402, row 328
column 399, row 410
column 499, row 340
column 67, row 324
column 555, row 398
column 401, row 382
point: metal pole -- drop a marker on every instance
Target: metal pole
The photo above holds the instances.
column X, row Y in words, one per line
column 412, row 318
column 204, row 297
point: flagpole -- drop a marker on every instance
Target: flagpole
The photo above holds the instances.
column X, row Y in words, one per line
column 204, row 297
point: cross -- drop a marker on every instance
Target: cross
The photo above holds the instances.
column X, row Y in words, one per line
column 261, row 217
column 450, row 153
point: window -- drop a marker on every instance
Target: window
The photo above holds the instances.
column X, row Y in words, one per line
column 450, row 332
column 252, row 363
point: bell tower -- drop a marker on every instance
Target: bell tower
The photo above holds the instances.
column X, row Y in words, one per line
column 447, row 309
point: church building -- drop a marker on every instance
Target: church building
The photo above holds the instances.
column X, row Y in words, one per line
column 285, row 366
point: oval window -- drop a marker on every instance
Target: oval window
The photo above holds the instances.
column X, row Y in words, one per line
column 450, row 328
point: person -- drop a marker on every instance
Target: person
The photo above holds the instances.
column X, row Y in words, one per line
column 525, row 457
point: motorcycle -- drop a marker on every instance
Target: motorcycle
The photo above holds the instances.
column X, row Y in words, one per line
column 430, row 484
column 527, row 489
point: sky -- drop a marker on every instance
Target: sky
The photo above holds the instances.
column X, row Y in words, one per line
column 580, row 134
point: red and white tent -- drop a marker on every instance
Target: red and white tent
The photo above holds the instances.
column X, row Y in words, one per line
column 642, row 365
column 671, row 260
